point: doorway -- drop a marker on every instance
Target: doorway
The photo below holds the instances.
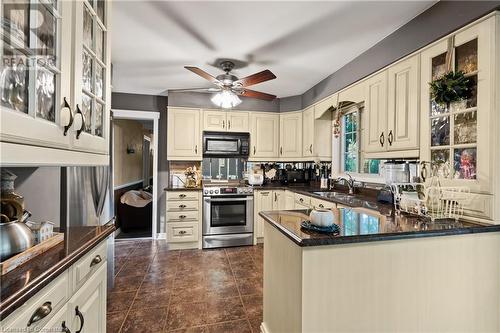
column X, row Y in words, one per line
column 135, row 176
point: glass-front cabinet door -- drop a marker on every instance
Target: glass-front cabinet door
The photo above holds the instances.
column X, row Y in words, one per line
column 91, row 76
column 459, row 135
column 35, row 73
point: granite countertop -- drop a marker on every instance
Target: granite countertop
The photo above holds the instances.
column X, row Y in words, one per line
column 20, row 284
column 359, row 225
column 169, row 188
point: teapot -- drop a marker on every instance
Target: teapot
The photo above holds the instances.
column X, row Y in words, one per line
column 12, row 204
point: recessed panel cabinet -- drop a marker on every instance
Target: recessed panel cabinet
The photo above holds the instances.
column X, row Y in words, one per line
column 375, row 113
column 308, row 146
column 264, row 135
column 184, row 135
column 263, row 201
column 230, row 121
column 290, row 135
column 391, row 114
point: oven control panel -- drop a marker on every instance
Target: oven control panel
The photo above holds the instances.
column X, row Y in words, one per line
column 208, row 191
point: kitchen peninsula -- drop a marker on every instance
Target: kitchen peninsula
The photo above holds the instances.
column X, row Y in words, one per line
column 382, row 273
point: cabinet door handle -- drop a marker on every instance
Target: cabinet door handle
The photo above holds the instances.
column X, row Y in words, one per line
column 40, row 313
column 97, row 259
column 311, row 148
column 382, row 139
column 66, row 113
column 223, row 124
column 254, row 150
column 275, row 197
column 64, row 328
column 196, row 149
column 79, row 121
column 82, row 319
column 390, row 138
column 229, row 124
column 281, row 150
column 182, row 206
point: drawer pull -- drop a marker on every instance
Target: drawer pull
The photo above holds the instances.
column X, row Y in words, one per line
column 82, row 320
column 301, row 200
column 182, row 195
column 321, row 206
column 182, row 216
column 182, row 206
column 97, row 259
column 40, row 313
column 64, row 328
column 182, row 232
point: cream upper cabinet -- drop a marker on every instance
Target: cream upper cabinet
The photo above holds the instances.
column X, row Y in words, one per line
column 237, row 121
column 231, row 121
column 34, row 113
column 403, row 105
column 463, row 134
column 263, row 202
column 308, row 132
column 354, row 93
column 91, row 95
column 290, row 135
column 375, row 113
column 183, row 134
column 214, row 120
column 264, row 135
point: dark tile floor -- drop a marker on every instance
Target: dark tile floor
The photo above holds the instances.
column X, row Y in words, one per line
column 158, row 290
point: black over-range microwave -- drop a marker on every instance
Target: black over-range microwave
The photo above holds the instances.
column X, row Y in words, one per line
column 224, row 144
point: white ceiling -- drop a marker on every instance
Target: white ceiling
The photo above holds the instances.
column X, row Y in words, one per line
column 302, row 42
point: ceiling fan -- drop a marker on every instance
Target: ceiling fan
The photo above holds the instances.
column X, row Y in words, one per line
column 228, row 86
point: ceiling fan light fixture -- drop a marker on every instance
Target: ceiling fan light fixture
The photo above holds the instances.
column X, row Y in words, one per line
column 226, row 99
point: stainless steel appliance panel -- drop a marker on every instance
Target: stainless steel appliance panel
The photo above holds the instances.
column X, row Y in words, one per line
column 223, row 215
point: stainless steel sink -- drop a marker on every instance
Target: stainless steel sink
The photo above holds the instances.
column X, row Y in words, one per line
column 344, row 198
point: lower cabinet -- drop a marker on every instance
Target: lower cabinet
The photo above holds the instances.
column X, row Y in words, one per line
column 184, row 219
column 65, row 306
column 289, row 200
column 279, row 200
column 263, row 201
column 87, row 308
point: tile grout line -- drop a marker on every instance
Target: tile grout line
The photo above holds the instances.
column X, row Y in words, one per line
column 137, row 291
column 239, row 292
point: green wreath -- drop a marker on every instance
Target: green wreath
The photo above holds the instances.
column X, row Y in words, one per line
column 449, row 88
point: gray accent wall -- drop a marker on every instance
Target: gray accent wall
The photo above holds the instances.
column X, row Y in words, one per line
column 202, row 100
column 139, row 102
column 436, row 22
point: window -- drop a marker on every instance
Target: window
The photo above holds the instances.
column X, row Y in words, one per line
column 351, row 159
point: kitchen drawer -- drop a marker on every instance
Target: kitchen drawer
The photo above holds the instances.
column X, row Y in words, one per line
column 52, row 298
column 303, row 199
column 176, row 206
column 183, row 195
column 83, row 269
column 182, row 216
column 318, row 203
column 181, row 232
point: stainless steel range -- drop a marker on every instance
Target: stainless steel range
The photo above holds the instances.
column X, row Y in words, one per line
column 227, row 216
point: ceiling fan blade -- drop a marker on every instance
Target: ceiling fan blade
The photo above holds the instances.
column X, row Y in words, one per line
column 204, row 75
column 256, row 94
column 259, row 77
column 205, row 90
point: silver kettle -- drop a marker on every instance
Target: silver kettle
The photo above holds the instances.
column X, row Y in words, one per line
column 15, row 237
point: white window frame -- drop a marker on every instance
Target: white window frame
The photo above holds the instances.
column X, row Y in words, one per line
column 338, row 153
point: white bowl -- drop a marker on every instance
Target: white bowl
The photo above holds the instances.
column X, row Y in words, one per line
column 321, row 217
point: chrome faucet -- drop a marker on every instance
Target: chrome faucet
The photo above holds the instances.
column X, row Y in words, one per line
column 349, row 182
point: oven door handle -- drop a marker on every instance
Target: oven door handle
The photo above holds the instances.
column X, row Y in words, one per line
column 228, row 199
